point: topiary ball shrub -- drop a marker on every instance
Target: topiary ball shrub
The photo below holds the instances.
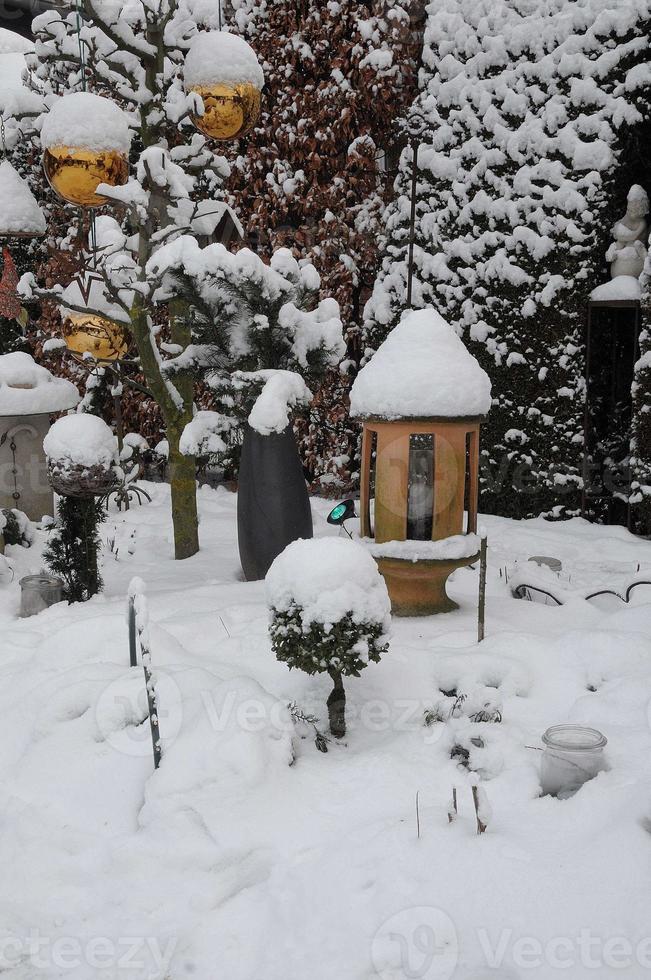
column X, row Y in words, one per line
column 330, row 613
column 16, row 528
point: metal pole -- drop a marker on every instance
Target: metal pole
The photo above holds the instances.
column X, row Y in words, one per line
column 586, row 413
column 636, row 345
column 412, row 219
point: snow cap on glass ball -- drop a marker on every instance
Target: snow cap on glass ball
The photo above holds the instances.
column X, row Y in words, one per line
column 87, row 122
column 217, row 57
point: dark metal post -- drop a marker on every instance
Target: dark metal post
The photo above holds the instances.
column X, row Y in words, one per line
column 412, row 218
column 131, row 620
column 586, row 412
column 145, row 653
column 152, row 704
column 636, row 354
column 481, row 615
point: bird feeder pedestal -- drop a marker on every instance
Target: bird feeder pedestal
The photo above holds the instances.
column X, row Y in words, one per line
column 419, row 588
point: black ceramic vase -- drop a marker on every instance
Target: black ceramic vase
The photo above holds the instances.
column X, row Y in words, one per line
column 273, row 506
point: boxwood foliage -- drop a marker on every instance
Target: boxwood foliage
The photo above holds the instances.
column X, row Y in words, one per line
column 340, row 649
column 347, row 646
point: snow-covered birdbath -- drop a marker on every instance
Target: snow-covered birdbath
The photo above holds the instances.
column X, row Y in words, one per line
column 29, row 394
column 422, row 398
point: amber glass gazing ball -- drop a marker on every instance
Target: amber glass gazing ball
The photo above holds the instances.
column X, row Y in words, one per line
column 230, row 110
column 90, row 333
column 75, row 174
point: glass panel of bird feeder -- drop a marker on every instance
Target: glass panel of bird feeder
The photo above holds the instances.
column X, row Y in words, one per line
column 371, row 486
column 420, row 499
column 367, row 482
column 467, row 503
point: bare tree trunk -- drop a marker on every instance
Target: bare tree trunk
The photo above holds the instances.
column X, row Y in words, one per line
column 337, row 704
column 183, row 484
column 176, row 415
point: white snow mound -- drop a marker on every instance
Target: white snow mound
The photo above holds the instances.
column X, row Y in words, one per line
column 13, row 43
column 328, row 578
column 619, row 288
column 422, row 370
column 88, row 122
column 26, row 388
column 19, row 209
column 216, row 56
column 81, row 440
column 455, row 547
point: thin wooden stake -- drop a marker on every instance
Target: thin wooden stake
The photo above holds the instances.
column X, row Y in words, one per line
column 417, row 815
column 453, row 810
column 481, row 826
column 481, row 613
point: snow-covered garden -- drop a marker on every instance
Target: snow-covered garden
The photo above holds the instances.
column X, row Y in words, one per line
column 251, row 853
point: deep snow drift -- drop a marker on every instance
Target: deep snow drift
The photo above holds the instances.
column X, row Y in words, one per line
column 250, row 855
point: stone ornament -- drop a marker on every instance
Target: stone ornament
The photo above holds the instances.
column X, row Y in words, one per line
column 627, row 254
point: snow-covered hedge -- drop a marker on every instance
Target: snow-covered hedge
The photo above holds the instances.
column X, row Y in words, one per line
column 537, row 125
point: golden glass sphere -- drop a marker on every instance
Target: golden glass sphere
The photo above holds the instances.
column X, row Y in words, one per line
column 91, row 333
column 230, row 110
column 75, row 173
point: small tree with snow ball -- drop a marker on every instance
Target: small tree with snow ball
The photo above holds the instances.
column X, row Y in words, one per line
column 82, row 466
column 330, row 612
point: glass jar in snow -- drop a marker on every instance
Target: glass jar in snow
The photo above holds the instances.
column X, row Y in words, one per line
column 573, row 755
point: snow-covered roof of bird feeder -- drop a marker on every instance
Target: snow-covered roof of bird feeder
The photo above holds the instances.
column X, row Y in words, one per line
column 26, row 388
column 20, row 214
column 422, row 370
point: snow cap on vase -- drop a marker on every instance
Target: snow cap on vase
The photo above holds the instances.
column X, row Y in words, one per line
column 224, row 71
column 86, row 140
column 20, row 214
column 422, row 370
column 82, row 456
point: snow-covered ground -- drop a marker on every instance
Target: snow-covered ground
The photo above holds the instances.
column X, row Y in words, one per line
column 250, row 855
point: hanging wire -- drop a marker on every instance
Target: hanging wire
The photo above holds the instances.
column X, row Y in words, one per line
column 82, row 62
column 82, row 65
column 219, row 13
